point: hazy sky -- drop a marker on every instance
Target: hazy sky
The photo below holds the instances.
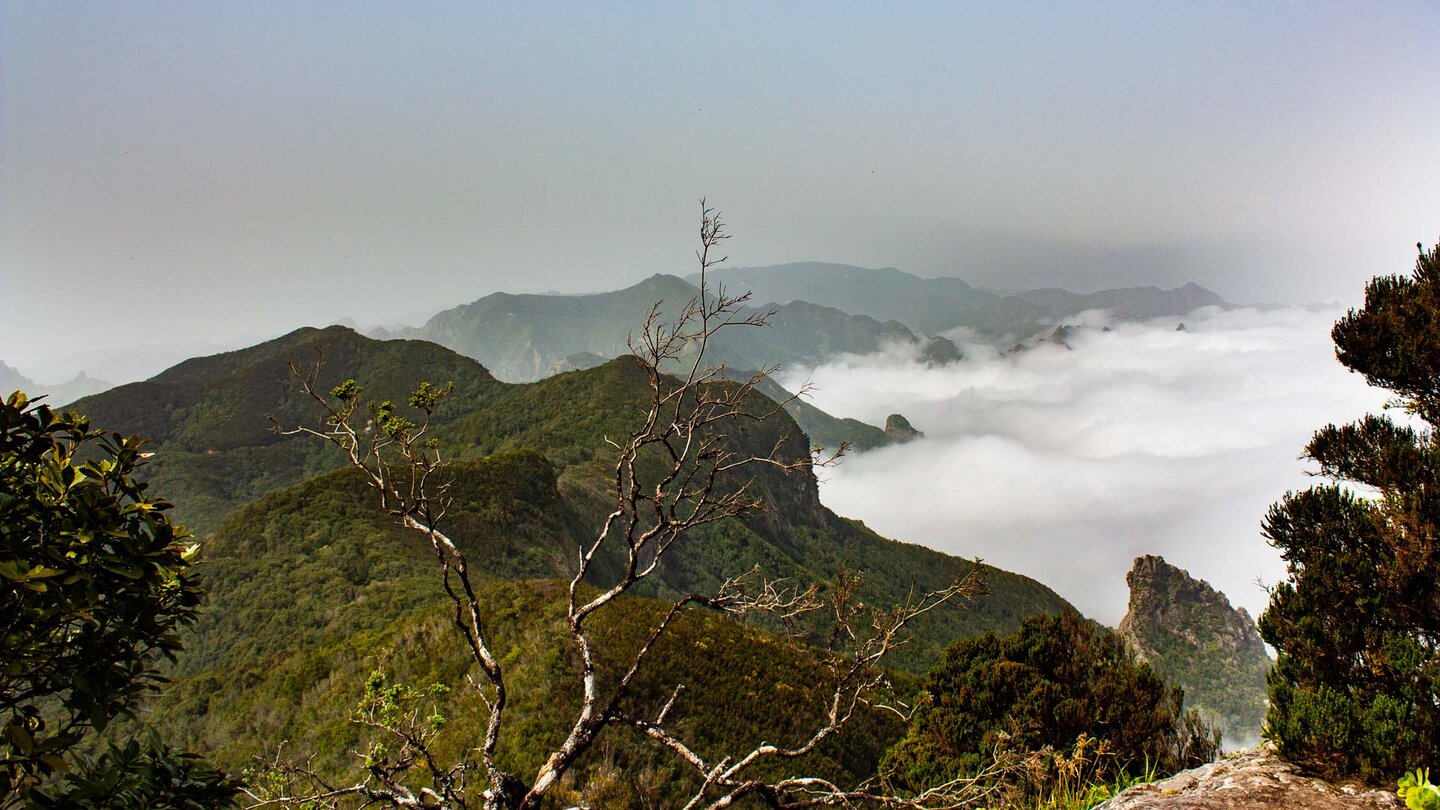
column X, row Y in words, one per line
column 201, row 171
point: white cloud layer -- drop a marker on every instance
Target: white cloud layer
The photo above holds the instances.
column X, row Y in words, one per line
column 1065, row 464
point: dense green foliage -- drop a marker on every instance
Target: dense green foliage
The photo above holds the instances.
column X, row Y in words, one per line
column 95, row 583
column 743, row 686
column 1056, row 683
column 1356, row 687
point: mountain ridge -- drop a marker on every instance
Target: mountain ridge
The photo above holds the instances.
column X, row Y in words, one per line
column 939, row 304
column 520, row 337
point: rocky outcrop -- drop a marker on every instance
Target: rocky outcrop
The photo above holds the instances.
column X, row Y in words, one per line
column 1062, row 335
column 578, row 361
column 940, row 351
column 1189, row 632
column 899, row 430
column 1254, row 779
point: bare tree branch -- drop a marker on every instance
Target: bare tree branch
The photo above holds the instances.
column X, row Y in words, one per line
column 692, row 425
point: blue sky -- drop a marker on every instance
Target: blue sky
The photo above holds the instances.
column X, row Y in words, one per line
column 223, row 170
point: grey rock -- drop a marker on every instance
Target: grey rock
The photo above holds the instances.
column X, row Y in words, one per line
column 899, row 430
column 1255, row 779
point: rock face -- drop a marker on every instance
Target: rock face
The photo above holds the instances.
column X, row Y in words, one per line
column 1249, row 780
column 1062, row 335
column 1189, row 632
column 899, row 430
column 941, row 351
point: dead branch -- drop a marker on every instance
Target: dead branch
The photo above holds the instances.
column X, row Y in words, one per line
column 694, row 415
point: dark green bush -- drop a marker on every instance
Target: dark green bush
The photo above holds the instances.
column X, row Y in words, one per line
column 1057, row 679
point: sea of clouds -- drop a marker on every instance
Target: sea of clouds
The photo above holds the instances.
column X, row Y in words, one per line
column 1065, row 464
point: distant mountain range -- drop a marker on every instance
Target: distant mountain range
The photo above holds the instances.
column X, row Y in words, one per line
column 62, row 394
column 819, row 311
column 522, row 338
column 934, row 305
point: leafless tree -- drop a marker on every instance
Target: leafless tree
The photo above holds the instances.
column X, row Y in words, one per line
column 693, row 414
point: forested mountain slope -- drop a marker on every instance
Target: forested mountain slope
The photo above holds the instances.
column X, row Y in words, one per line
column 1191, row 634
column 309, row 583
column 208, row 418
column 216, row 451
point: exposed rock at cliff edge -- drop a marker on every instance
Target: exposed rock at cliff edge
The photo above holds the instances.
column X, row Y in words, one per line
column 1189, row 632
column 1255, row 779
column 899, row 430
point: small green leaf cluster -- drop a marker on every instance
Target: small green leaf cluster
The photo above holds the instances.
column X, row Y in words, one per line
column 137, row 773
column 388, row 703
column 1418, row 792
column 427, row 397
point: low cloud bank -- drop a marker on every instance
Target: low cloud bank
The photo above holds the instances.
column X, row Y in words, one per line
column 1066, row 463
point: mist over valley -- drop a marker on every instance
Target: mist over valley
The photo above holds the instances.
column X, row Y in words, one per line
column 1067, row 461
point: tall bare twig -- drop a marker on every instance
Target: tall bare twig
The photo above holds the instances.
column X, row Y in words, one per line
column 694, row 415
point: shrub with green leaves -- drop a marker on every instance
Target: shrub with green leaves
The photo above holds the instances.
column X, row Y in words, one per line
column 1355, row 691
column 94, row 583
column 1058, row 683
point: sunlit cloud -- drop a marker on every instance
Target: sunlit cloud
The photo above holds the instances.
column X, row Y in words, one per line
column 1066, row 463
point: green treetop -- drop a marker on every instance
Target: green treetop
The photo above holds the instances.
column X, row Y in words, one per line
column 1356, row 624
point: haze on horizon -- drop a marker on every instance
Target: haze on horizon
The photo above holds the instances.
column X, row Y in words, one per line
column 194, row 173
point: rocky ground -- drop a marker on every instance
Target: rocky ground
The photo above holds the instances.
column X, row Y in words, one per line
column 1249, row 780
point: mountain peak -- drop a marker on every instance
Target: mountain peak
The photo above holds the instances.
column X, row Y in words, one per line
column 1192, row 635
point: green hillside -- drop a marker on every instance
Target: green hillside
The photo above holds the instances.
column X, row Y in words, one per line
column 308, row 582
column 216, row 452
column 743, row 687
column 310, row 586
column 208, row 417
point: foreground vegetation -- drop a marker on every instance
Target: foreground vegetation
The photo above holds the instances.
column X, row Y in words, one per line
column 1059, row 709
column 1355, row 691
column 95, row 582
